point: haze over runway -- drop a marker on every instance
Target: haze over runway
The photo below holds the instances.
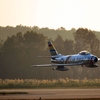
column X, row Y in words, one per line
column 52, row 94
column 51, row 13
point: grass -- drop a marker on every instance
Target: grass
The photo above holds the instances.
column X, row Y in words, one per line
column 52, row 83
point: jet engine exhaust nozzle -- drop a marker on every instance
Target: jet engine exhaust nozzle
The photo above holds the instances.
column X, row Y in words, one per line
column 94, row 59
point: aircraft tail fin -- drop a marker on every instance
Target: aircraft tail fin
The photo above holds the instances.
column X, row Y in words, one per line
column 52, row 49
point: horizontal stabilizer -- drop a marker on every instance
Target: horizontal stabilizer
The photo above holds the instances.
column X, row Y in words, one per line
column 48, row 56
column 44, row 56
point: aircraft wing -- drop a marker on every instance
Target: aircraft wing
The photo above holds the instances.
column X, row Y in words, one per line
column 48, row 65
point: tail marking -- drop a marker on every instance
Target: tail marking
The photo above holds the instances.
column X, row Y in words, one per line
column 52, row 49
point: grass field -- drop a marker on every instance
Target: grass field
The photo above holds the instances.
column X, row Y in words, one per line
column 52, row 83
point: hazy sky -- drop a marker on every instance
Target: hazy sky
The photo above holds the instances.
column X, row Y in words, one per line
column 51, row 13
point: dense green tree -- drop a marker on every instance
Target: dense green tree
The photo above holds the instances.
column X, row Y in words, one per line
column 20, row 51
column 85, row 40
column 59, row 44
column 68, row 46
column 50, row 33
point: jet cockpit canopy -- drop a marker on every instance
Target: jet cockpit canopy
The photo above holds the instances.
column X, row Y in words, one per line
column 84, row 53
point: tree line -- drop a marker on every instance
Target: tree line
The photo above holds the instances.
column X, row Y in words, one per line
column 19, row 51
column 51, row 33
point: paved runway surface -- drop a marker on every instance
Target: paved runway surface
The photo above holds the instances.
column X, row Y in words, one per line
column 52, row 93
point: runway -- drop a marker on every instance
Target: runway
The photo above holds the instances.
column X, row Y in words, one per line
column 52, row 94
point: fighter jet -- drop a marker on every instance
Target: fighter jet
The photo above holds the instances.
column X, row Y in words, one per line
column 83, row 58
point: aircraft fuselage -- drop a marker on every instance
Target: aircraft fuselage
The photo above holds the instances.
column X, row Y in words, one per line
column 83, row 58
column 86, row 59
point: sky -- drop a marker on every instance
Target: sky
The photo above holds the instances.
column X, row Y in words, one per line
column 51, row 13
